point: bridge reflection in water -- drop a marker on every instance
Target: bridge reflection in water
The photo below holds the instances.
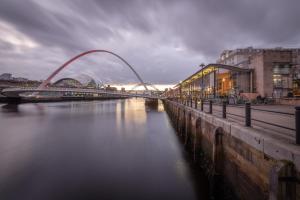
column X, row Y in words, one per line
column 117, row 149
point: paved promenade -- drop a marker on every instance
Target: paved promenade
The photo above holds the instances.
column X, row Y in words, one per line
column 260, row 112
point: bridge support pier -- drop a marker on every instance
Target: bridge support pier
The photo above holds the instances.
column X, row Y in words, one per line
column 12, row 100
column 153, row 103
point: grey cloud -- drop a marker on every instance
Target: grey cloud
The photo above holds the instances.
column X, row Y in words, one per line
column 210, row 26
column 147, row 33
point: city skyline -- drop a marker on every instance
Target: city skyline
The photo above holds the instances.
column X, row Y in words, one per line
column 85, row 79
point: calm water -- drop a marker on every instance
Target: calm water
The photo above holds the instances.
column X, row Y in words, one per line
column 115, row 149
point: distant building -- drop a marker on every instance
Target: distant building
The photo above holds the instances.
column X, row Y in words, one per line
column 67, row 83
column 7, row 80
column 6, row 76
column 111, row 89
column 74, row 83
column 92, row 84
column 9, row 77
column 20, row 79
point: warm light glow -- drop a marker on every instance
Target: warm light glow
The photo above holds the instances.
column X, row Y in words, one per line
column 160, row 87
column 203, row 72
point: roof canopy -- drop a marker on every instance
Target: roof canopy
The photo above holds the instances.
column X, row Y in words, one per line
column 210, row 68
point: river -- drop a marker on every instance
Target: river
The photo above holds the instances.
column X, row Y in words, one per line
column 114, row 149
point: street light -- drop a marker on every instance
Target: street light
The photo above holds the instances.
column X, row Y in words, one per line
column 202, row 65
column 180, row 91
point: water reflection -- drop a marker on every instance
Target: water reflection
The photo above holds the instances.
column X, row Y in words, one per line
column 91, row 150
column 10, row 108
column 14, row 109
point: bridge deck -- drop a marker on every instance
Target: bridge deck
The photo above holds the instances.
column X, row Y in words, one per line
column 15, row 92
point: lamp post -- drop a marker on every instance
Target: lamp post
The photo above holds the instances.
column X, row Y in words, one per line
column 180, row 91
column 202, row 66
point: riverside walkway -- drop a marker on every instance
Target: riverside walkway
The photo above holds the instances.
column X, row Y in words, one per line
column 276, row 120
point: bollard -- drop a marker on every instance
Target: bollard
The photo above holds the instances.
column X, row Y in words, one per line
column 247, row 114
column 297, row 115
column 210, row 106
column 196, row 103
column 224, row 109
column 202, row 104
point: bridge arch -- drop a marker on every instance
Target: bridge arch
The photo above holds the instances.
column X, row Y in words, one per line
column 47, row 81
column 147, row 84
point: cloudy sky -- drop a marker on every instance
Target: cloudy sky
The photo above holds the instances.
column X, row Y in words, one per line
column 164, row 40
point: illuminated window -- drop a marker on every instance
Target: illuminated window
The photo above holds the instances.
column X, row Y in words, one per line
column 277, row 81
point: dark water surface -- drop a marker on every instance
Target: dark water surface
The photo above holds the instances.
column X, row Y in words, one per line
column 116, row 149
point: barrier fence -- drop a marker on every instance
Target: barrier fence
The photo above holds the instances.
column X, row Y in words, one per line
column 247, row 116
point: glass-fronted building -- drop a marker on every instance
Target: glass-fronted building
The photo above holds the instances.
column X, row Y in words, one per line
column 215, row 81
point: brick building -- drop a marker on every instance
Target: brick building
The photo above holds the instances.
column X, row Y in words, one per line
column 276, row 72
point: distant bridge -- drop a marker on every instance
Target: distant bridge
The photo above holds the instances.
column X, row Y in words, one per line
column 43, row 88
column 18, row 92
column 147, row 84
column 47, row 81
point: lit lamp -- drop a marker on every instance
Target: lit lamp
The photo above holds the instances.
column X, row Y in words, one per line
column 223, row 87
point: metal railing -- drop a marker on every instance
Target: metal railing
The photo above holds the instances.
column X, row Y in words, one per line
column 297, row 117
column 248, row 114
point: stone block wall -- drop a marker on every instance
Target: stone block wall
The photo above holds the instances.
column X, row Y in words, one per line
column 253, row 165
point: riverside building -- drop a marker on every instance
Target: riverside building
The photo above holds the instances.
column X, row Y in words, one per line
column 246, row 72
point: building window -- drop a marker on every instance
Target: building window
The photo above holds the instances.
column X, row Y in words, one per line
column 277, row 81
column 281, row 69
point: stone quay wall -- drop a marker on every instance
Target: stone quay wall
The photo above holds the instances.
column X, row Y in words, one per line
column 253, row 165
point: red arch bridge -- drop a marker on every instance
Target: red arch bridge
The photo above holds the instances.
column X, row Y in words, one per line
column 43, row 88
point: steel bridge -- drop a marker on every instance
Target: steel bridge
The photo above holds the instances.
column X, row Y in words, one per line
column 43, row 88
column 47, row 81
column 147, row 84
column 19, row 92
